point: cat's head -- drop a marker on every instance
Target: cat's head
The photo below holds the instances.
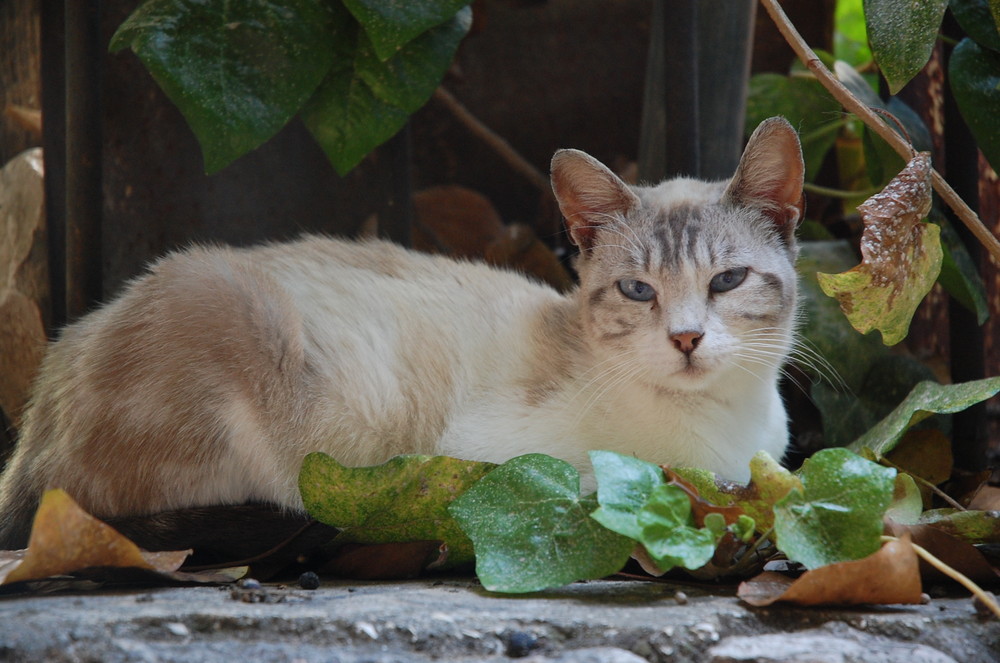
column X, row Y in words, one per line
column 685, row 282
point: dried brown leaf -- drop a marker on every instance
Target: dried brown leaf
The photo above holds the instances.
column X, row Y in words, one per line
column 387, row 561
column 987, row 498
column 959, row 555
column 65, row 539
column 925, row 453
column 890, row 575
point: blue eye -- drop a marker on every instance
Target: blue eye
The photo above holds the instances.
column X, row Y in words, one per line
column 636, row 290
column 728, row 279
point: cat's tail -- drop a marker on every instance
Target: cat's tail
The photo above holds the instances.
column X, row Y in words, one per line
column 18, row 503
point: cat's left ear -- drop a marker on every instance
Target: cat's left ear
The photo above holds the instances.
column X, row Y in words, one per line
column 589, row 194
column 770, row 175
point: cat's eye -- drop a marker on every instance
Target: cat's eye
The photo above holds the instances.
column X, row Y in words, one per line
column 728, row 279
column 636, row 290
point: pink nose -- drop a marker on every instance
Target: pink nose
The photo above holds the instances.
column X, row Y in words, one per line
column 687, row 341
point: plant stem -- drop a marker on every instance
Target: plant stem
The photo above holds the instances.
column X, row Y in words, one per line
column 502, row 148
column 977, row 591
column 750, row 557
column 940, row 493
column 856, row 106
column 838, row 193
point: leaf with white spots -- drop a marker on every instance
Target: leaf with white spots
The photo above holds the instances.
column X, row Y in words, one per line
column 901, row 256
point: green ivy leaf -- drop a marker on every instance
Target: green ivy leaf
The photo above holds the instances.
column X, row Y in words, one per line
column 624, row 484
column 236, row 71
column 668, row 531
column 365, row 102
column 532, row 530
column 974, row 74
column 837, row 515
column 902, row 36
column 901, row 257
column 744, row 528
column 925, row 399
column 806, row 104
column 976, row 18
column 391, row 25
column 404, row 499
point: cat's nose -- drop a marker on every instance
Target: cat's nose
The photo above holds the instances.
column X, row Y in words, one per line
column 686, row 341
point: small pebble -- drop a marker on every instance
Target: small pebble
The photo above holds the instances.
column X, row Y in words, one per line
column 249, row 583
column 520, row 644
column 680, row 597
column 177, row 629
column 983, row 611
column 309, row 580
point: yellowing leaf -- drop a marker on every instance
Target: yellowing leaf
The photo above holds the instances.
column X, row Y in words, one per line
column 890, row 575
column 404, row 499
column 65, row 538
column 769, row 483
column 901, row 256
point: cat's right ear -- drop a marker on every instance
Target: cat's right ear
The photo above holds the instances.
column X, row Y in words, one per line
column 589, row 194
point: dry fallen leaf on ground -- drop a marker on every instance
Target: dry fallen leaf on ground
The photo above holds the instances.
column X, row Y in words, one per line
column 890, row 575
column 960, row 555
column 65, row 538
column 387, row 561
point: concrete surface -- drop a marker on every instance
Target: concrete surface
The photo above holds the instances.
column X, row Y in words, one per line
column 456, row 620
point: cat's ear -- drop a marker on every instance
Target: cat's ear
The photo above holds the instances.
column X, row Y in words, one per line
column 589, row 194
column 770, row 175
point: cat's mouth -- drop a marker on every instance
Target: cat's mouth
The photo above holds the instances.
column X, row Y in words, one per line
column 691, row 374
column 693, row 371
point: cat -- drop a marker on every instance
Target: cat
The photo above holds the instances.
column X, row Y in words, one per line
column 211, row 376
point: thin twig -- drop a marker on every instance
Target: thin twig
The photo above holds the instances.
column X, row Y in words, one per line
column 985, row 597
column 940, row 493
column 503, row 149
column 257, row 557
column 872, row 120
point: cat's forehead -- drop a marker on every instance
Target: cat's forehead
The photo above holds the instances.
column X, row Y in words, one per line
column 681, row 225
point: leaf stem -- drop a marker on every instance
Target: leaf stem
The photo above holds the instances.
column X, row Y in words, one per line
column 859, row 108
column 985, row 597
column 747, row 560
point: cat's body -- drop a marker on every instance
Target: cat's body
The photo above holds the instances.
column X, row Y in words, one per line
column 211, row 377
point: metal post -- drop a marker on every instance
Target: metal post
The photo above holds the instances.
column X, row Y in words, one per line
column 85, row 55
column 696, row 86
column 54, row 146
